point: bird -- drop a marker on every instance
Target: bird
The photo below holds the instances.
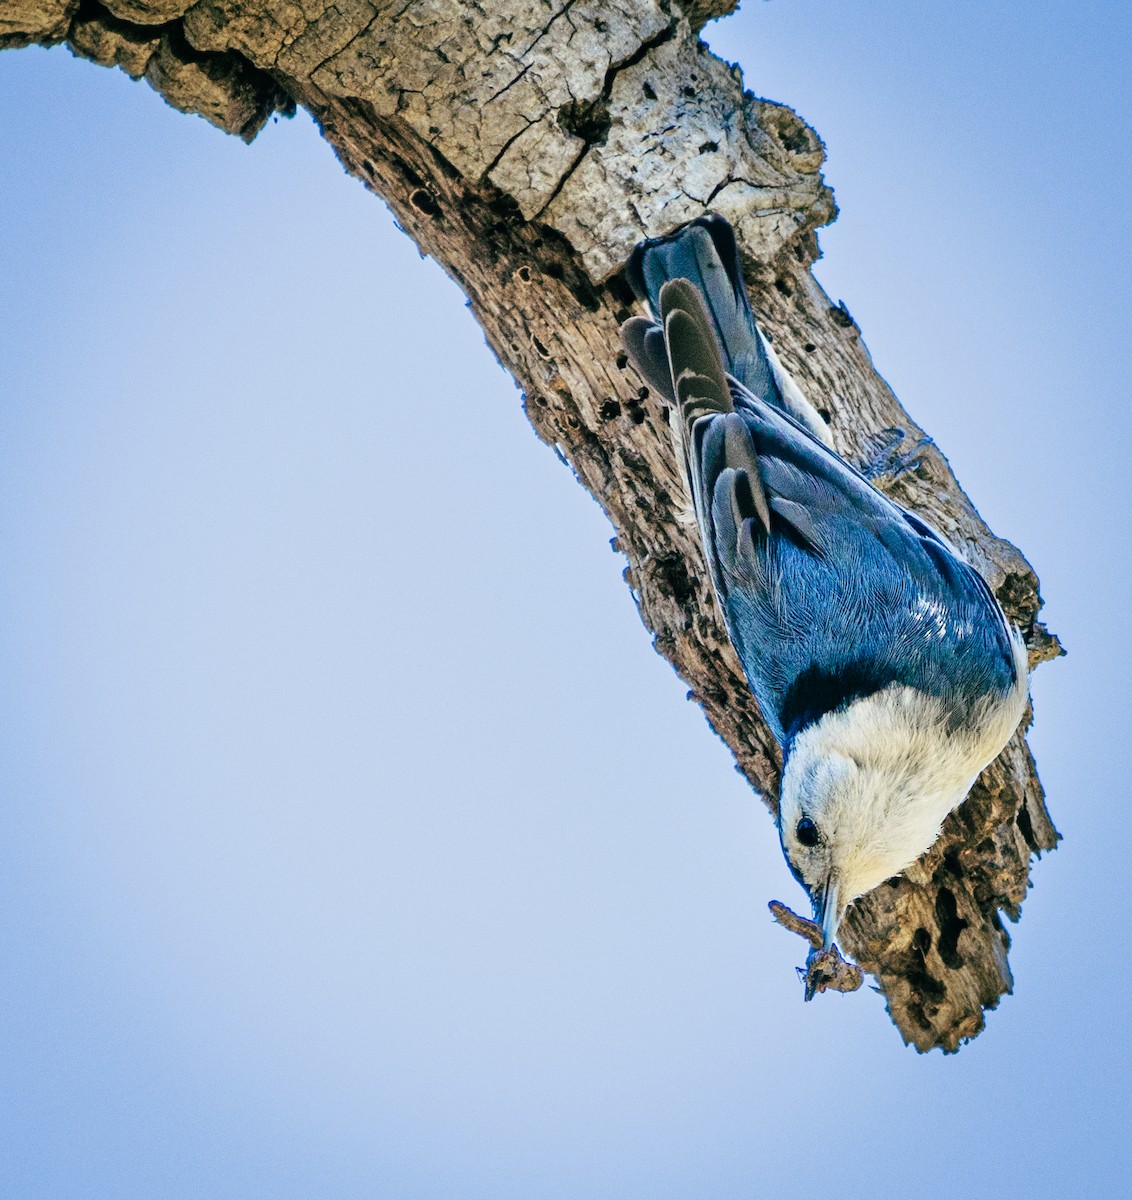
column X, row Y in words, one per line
column 880, row 660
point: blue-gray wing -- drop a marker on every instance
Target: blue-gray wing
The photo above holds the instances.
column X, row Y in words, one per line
column 830, row 591
column 841, row 592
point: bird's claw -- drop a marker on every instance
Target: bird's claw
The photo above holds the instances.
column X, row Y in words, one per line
column 890, row 459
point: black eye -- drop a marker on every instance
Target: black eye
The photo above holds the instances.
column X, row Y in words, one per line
column 807, row 832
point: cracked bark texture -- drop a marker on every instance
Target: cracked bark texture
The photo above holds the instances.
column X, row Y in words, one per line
column 527, row 145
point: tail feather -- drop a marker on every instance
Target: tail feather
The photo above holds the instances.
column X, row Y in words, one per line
column 693, row 353
column 720, row 457
column 706, row 253
column 643, row 340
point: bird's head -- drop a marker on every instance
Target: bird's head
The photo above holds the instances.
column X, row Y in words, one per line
column 864, row 793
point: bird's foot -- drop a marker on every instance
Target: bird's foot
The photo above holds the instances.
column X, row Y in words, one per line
column 893, row 454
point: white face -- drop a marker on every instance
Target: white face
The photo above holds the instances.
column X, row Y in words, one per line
column 866, row 789
column 853, row 815
column 838, row 822
column 845, row 830
column 806, row 828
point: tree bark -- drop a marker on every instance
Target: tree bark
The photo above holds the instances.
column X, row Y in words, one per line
column 527, row 145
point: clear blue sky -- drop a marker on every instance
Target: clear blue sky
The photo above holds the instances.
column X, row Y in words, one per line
column 353, row 850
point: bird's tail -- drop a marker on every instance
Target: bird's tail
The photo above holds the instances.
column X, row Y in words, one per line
column 705, row 252
column 712, row 438
column 684, row 351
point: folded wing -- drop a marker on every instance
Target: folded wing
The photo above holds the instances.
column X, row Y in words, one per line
column 829, row 590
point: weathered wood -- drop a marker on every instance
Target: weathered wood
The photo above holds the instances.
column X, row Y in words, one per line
column 527, row 146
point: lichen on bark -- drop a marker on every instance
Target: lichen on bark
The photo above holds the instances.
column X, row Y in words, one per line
column 527, row 145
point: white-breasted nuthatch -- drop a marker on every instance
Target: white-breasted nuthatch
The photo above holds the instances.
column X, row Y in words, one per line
column 880, row 660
